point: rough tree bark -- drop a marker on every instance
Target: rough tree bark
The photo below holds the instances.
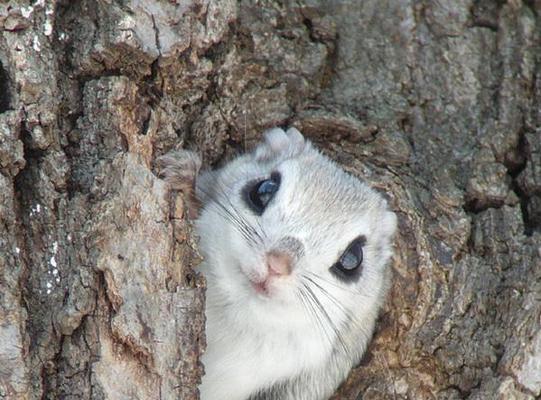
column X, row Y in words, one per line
column 438, row 103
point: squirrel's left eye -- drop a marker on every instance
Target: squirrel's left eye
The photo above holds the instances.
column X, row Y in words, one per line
column 350, row 262
column 259, row 194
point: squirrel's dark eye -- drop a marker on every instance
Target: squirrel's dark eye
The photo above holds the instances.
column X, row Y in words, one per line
column 349, row 264
column 259, row 194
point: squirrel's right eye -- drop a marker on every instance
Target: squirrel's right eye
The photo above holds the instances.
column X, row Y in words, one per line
column 260, row 193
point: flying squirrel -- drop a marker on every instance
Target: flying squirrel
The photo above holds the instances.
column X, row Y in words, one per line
column 296, row 254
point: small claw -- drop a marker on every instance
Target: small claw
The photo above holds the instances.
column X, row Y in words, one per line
column 179, row 169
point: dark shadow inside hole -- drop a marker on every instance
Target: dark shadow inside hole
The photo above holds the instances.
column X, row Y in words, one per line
column 5, row 98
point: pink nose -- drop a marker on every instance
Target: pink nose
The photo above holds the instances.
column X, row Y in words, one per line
column 278, row 263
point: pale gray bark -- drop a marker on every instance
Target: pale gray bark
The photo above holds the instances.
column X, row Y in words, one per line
column 437, row 103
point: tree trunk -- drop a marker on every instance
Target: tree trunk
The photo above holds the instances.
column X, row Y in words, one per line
column 436, row 103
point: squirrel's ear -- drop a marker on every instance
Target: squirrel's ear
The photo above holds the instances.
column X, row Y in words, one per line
column 280, row 144
column 179, row 168
column 389, row 223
